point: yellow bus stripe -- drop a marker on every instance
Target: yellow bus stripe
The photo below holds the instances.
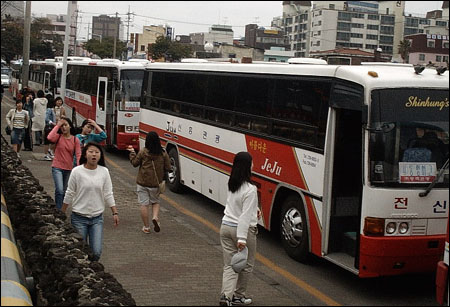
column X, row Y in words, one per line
column 11, row 301
column 6, row 221
column 9, row 287
column 300, row 283
column 9, row 249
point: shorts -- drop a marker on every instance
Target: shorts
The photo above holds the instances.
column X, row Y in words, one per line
column 147, row 196
column 17, row 135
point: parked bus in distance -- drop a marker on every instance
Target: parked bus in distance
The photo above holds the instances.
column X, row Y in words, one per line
column 107, row 91
column 340, row 153
column 46, row 76
column 442, row 280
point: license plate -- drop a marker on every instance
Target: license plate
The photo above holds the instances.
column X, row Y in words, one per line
column 413, row 172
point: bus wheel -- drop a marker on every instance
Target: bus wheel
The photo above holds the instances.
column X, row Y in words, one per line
column 294, row 229
column 174, row 176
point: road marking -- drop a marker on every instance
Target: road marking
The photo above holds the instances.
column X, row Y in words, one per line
column 265, row 261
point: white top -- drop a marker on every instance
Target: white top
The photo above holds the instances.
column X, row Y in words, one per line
column 39, row 109
column 242, row 209
column 89, row 191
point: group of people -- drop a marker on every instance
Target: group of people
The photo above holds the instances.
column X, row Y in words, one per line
column 83, row 182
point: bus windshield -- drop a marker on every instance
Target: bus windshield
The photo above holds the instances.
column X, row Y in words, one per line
column 409, row 137
column 131, row 86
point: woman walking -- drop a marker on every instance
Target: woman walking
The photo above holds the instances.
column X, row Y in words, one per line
column 239, row 230
column 27, row 100
column 89, row 192
column 17, row 119
column 66, row 146
column 39, row 108
column 153, row 162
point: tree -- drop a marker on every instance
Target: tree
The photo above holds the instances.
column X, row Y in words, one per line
column 104, row 49
column 170, row 51
column 11, row 40
column 404, row 48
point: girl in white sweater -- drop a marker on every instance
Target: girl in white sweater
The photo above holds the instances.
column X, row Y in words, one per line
column 239, row 230
column 89, row 191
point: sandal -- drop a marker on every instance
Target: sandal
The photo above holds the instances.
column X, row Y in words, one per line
column 145, row 229
column 157, row 225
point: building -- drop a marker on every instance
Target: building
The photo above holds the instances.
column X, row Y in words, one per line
column 58, row 28
column 261, row 38
column 141, row 41
column 278, row 54
column 428, row 49
column 13, row 9
column 106, row 26
column 364, row 25
column 217, row 34
column 348, row 56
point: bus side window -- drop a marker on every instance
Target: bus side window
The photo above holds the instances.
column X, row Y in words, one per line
column 101, row 96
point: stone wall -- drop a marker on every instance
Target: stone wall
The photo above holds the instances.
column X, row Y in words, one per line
column 53, row 252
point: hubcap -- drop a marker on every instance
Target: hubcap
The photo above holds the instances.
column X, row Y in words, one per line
column 172, row 176
column 292, row 227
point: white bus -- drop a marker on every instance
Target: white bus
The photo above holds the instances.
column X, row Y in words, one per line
column 107, row 91
column 340, row 153
column 46, row 76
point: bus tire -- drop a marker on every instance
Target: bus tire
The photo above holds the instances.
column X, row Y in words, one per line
column 173, row 178
column 294, row 229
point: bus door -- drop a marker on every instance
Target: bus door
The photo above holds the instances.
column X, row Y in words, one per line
column 100, row 109
column 345, row 182
column 46, row 86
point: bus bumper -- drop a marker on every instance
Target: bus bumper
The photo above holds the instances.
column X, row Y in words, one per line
column 125, row 139
column 441, row 282
column 382, row 256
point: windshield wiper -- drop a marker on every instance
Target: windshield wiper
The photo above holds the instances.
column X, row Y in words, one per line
column 439, row 175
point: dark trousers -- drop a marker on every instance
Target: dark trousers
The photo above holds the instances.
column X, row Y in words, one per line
column 27, row 140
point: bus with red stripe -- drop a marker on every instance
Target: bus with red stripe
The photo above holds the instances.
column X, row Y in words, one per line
column 107, row 91
column 442, row 280
column 342, row 161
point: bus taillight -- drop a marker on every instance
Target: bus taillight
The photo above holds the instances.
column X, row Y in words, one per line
column 373, row 226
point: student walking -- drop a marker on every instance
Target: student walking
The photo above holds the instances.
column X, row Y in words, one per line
column 59, row 109
column 27, row 100
column 17, row 119
column 153, row 163
column 39, row 108
column 89, row 191
column 239, row 230
column 50, row 122
column 66, row 146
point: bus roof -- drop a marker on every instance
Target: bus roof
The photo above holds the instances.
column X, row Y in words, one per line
column 110, row 63
column 388, row 76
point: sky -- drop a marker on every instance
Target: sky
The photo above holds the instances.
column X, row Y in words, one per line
column 187, row 16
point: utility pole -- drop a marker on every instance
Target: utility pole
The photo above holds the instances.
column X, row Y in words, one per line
column 26, row 45
column 66, row 47
column 128, row 27
column 115, row 36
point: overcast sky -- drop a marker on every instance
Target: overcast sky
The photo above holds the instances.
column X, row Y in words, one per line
column 188, row 16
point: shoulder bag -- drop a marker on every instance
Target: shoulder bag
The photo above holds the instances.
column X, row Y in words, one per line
column 162, row 184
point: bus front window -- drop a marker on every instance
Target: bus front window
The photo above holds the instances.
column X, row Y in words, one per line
column 409, row 137
column 131, row 86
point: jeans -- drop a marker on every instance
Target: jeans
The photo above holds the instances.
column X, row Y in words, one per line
column 92, row 231
column 17, row 135
column 38, row 137
column 61, row 179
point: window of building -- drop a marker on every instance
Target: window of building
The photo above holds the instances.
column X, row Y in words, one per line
column 371, row 36
column 421, row 57
column 445, row 44
column 438, row 58
column 142, row 47
column 331, row 6
column 372, row 27
column 430, row 43
column 445, row 58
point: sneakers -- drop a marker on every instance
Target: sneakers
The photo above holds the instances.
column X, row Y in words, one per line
column 51, row 154
column 48, row 158
column 145, row 229
column 240, row 301
column 224, row 301
column 157, row 225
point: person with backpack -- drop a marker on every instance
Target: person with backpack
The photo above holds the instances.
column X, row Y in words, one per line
column 66, row 146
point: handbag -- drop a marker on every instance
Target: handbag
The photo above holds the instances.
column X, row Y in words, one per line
column 162, row 184
column 8, row 130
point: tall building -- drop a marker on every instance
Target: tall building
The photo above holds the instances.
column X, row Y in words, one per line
column 149, row 34
column 261, row 38
column 58, row 23
column 217, row 34
column 106, row 26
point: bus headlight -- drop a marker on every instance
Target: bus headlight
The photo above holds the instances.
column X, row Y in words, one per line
column 403, row 228
column 391, row 227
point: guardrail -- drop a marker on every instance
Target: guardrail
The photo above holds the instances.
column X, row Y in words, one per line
column 14, row 283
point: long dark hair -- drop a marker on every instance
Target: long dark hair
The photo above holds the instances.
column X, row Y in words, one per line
column 153, row 143
column 83, row 158
column 241, row 171
column 73, row 130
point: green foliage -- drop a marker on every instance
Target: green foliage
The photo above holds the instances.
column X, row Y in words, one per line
column 11, row 40
column 404, row 48
column 170, row 51
column 104, row 49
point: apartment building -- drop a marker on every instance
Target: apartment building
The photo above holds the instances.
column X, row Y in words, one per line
column 106, row 26
column 58, row 28
column 363, row 25
column 428, row 49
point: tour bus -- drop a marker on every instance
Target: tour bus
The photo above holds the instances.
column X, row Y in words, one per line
column 107, row 91
column 340, row 156
column 46, row 76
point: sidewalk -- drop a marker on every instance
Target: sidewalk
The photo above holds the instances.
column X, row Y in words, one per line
column 178, row 266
